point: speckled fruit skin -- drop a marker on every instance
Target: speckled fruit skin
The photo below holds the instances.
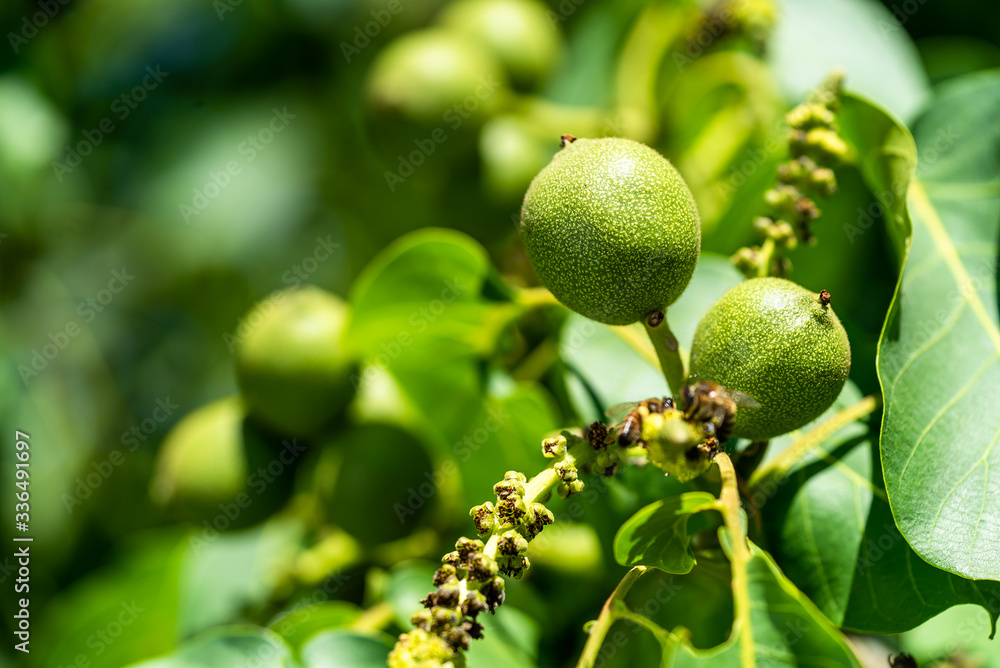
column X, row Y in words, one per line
column 774, row 340
column 292, row 367
column 611, row 229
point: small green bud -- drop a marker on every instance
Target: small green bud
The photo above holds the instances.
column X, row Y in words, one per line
column 554, row 447
column 745, row 260
column 508, row 488
column 566, row 471
column 538, row 518
column 822, row 144
column 484, row 518
column 511, row 510
column 784, row 199
column 444, row 574
column 823, row 180
column 444, row 618
column 482, row 568
column 810, row 115
column 466, row 547
column 568, row 489
column 516, row 476
column 452, row 559
column 511, row 544
column 606, row 463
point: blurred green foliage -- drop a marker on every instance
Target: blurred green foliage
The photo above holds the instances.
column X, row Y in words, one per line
column 165, row 165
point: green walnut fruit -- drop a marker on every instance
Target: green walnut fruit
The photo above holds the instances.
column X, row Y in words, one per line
column 203, row 456
column 611, row 229
column 517, row 32
column 292, row 365
column 437, row 77
column 778, row 343
column 212, row 456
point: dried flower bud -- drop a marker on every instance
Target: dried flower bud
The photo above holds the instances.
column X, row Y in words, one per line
column 482, row 568
column 511, row 544
column 566, row 471
column 484, row 519
column 511, row 511
column 474, row 603
column 444, row 574
column 554, row 447
column 494, row 593
column 538, row 518
column 508, row 488
column 466, row 547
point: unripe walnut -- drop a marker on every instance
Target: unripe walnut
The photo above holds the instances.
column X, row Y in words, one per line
column 611, row 229
column 292, row 366
column 779, row 343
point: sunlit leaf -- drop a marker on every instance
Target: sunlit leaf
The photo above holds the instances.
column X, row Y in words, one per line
column 829, row 526
column 229, row 646
column 298, row 625
column 342, row 648
column 659, row 535
column 785, row 628
column 939, row 356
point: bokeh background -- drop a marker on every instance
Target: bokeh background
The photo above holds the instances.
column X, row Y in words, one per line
column 167, row 164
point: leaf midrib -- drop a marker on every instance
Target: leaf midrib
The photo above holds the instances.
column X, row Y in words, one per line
column 932, row 221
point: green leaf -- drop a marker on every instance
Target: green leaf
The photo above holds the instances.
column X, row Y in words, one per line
column 785, row 627
column 298, row 625
column 939, row 355
column 408, row 582
column 229, row 646
column 830, row 529
column 510, row 638
column 341, row 648
column 428, row 310
column 963, row 630
column 829, row 522
column 140, row 588
column 658, row 535
column 225, row 573
column 809, row 42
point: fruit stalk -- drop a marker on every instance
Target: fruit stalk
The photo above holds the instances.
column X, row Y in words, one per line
column 667, row 351
column 730, row 505
column 607, row 618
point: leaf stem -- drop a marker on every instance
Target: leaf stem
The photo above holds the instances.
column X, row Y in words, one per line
column 779, row 467
column 766, row 255
column 609, row 614
column 668, row 352
column 729, row 500
column 661, row 634
column 532, row 297
column 374, row 618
